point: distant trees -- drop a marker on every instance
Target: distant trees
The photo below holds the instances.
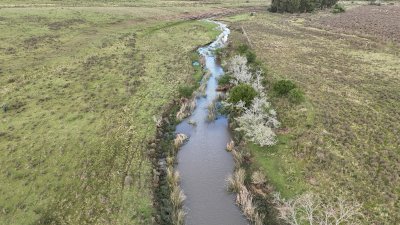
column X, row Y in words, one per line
column 293, row 6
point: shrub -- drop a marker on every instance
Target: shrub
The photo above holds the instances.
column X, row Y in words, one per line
column 245, row 50
column 338, row 8
column 293, row 6
column 376, row 2
column 283, row 87
column 4, row 107
column 186, row 91
column 224, row 79
column 242, row 92
column 242, row 49
column 296, row 96
column 257, row 123
column 250, row 56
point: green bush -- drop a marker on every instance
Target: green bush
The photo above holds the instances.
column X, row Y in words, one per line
column 338, row 8
column 250, row 56
column 186, row 91
column 283, row 87
column 242, row 92
column 296, row 96
column 242, row 49
column 293, row 6
column 224, row 79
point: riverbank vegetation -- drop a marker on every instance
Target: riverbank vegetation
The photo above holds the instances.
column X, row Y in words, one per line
column 336, row 140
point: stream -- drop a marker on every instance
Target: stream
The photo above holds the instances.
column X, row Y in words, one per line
column 203, row 162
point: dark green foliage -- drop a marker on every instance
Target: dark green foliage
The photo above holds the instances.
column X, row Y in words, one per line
column 296, row 96
column 186, row 91
column 4, row 107
column 283, row 87
column 242, row 49
column 293, row 6
column 224, row 79
column 250, row 56
column 338, row 8
column 242, row 92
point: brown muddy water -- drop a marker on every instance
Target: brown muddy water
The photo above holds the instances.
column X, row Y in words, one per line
column 203, row 162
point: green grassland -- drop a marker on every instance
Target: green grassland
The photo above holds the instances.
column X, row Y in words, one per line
column 80, row 88
column 344, row 139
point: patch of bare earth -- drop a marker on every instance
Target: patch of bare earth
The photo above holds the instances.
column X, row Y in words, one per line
column 382, row 22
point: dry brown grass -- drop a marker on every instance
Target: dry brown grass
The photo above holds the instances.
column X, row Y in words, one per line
column 381, row 22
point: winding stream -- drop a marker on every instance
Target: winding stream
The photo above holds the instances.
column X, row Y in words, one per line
column 203, row 162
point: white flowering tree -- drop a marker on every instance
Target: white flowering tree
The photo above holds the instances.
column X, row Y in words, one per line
column 239, row 70
column 257, row 121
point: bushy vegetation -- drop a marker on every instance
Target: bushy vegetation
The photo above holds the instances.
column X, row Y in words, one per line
column 242, row 92
column 283, row 87
column 296, row 96
column 224, row 79
column 338, row 8
column 246, row 51
column 302, row 6
column 186, row 91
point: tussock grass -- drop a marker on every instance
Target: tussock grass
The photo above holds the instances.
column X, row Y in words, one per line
column 244, row 199
column 186, row 109
column 192, row 122
column 258, row 178
column 170, row 160
column 201, row 92
column 212, row 110
column 179, row 140
column 237, row 157
column 179, row 217
column 236, row 181
column 177, row 197
column 173, row 177
column 230, row 146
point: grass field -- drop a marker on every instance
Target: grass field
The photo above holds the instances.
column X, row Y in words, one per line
column 80, row 87
column 344, row 139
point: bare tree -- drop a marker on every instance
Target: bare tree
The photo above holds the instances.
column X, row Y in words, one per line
column 310, row 209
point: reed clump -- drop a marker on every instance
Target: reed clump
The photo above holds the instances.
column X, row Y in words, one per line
column 179, row 140
column 212, row 111
column 236, row 180
column 187, row 107
column 258, row 178
column 237, row 157
column 230, row 146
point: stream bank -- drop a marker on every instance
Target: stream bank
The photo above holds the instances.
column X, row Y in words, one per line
column 203, row 163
